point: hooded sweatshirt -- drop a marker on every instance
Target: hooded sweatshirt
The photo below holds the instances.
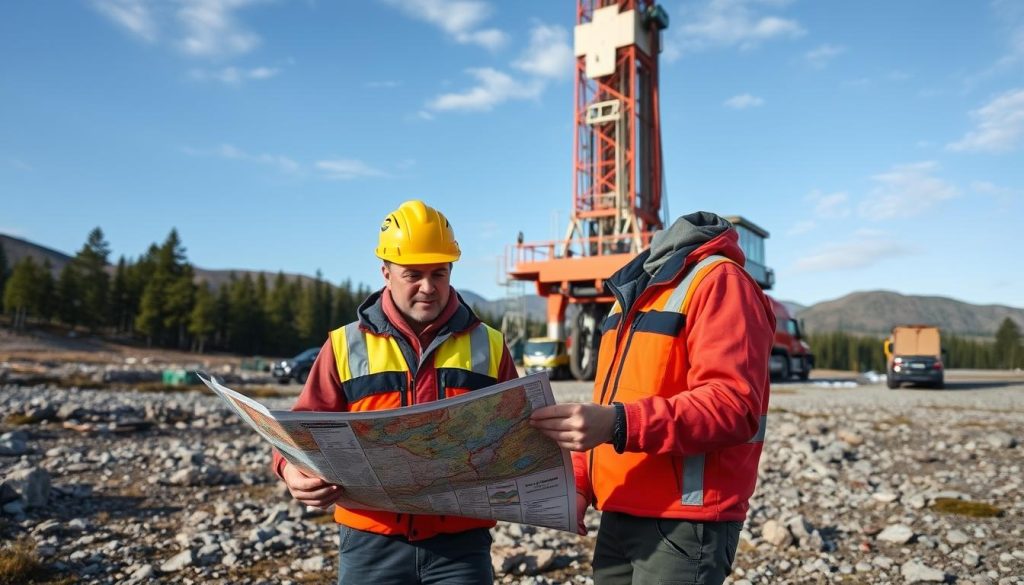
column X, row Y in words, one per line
column 695, row 387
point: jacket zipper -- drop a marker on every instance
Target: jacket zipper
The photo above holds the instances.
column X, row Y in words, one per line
column 608, row 376
column 622, row 360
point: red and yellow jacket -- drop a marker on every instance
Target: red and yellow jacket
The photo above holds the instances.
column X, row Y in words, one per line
column 686, row 351
column 378, row 362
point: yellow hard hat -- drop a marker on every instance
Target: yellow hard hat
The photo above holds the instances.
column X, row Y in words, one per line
column 416, row 233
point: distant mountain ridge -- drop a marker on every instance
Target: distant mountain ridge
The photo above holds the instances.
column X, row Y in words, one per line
column 877, row 312
column 871, row 312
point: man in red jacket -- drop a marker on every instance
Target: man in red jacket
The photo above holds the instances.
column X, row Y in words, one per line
column 669, row 448
column 415, row 341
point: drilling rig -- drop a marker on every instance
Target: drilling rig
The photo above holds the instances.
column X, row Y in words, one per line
column 617, row 172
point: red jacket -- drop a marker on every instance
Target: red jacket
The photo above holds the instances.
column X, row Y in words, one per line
column 694, row 387
column 324, row 391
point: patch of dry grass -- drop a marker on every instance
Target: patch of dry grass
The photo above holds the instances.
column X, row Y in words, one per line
column 19, row 564
column 161, row 388
column 20, row 419
column 266, row 392
column 966, row 508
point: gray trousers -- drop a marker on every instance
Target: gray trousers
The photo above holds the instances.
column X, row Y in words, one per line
column 463, row 558
column 651, row 551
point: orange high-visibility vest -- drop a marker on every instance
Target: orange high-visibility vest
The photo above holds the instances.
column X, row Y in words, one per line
column 644, row 354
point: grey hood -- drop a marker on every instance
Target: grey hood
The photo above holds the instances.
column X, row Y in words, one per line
column 688, row 233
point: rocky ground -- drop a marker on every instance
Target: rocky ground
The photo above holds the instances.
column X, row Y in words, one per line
column 858, row 484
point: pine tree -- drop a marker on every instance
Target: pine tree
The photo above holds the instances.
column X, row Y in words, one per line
column 180, row 299
column 203, row 319
column 306, row 314
column 22, row 291
column 167, row 295
column 69, row 295
column 47, row 291
column 280, row 311
column 246, row 316
column 3, row 271
column 222, row 315
column 93, row 280
column 149, row 320
column 1008, row 352
column 120, row 312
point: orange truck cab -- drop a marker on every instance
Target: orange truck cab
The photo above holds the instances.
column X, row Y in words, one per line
column 791, row 355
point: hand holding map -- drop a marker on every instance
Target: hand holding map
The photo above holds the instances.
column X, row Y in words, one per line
column 473, row 455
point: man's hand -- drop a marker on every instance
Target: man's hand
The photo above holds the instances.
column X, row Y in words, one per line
column 311, row 491
column 575, row 426
column 582, row 503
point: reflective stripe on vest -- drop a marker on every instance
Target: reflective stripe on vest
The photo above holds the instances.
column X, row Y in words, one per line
column 358, row 357
column 368, row 364
column 480, row 350
column 678, row 303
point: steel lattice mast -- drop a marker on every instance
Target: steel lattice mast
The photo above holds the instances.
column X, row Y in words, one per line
column 617, row 170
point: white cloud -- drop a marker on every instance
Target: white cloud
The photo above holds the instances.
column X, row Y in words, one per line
column 231, row 152
column 211, row 29
column 199, row 28
column 234, row 75
column 829, row 205
column 457, row 18
column 134, row 16
column 1001, row 195
column 989, row 188
column 863, row 250
column 347, row 168
column 339, row 168
column 743, row 101
column 819, row 57
column 1000, row 124
column 493, row 87
column 733, row 23
column 549, row 54
column 905, row 191
column 1010, row 16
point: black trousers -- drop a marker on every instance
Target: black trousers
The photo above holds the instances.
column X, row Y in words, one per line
column 651, row 551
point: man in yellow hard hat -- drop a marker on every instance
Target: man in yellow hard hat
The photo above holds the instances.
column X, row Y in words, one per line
column 415, row 341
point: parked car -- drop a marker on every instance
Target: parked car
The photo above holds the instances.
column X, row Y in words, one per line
column 543, row 354
column 913, row 353
column 296, row 368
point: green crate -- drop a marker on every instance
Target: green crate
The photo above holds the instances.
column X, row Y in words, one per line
column 180, row 377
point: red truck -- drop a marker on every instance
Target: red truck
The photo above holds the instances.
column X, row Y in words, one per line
column 791, row 355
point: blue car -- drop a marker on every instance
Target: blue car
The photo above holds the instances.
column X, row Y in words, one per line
column 297, row 368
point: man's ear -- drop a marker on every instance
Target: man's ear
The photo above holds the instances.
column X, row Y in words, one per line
column 385, row 271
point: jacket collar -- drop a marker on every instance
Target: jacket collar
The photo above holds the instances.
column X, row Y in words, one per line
column 372, row 317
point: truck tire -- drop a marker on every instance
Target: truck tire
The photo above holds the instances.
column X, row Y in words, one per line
column 586, row 339
column 805, row 373
column 302, row 376
column 891, row 382
column 784, row 372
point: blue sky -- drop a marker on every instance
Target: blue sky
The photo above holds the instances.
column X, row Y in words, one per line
column 879, row 142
